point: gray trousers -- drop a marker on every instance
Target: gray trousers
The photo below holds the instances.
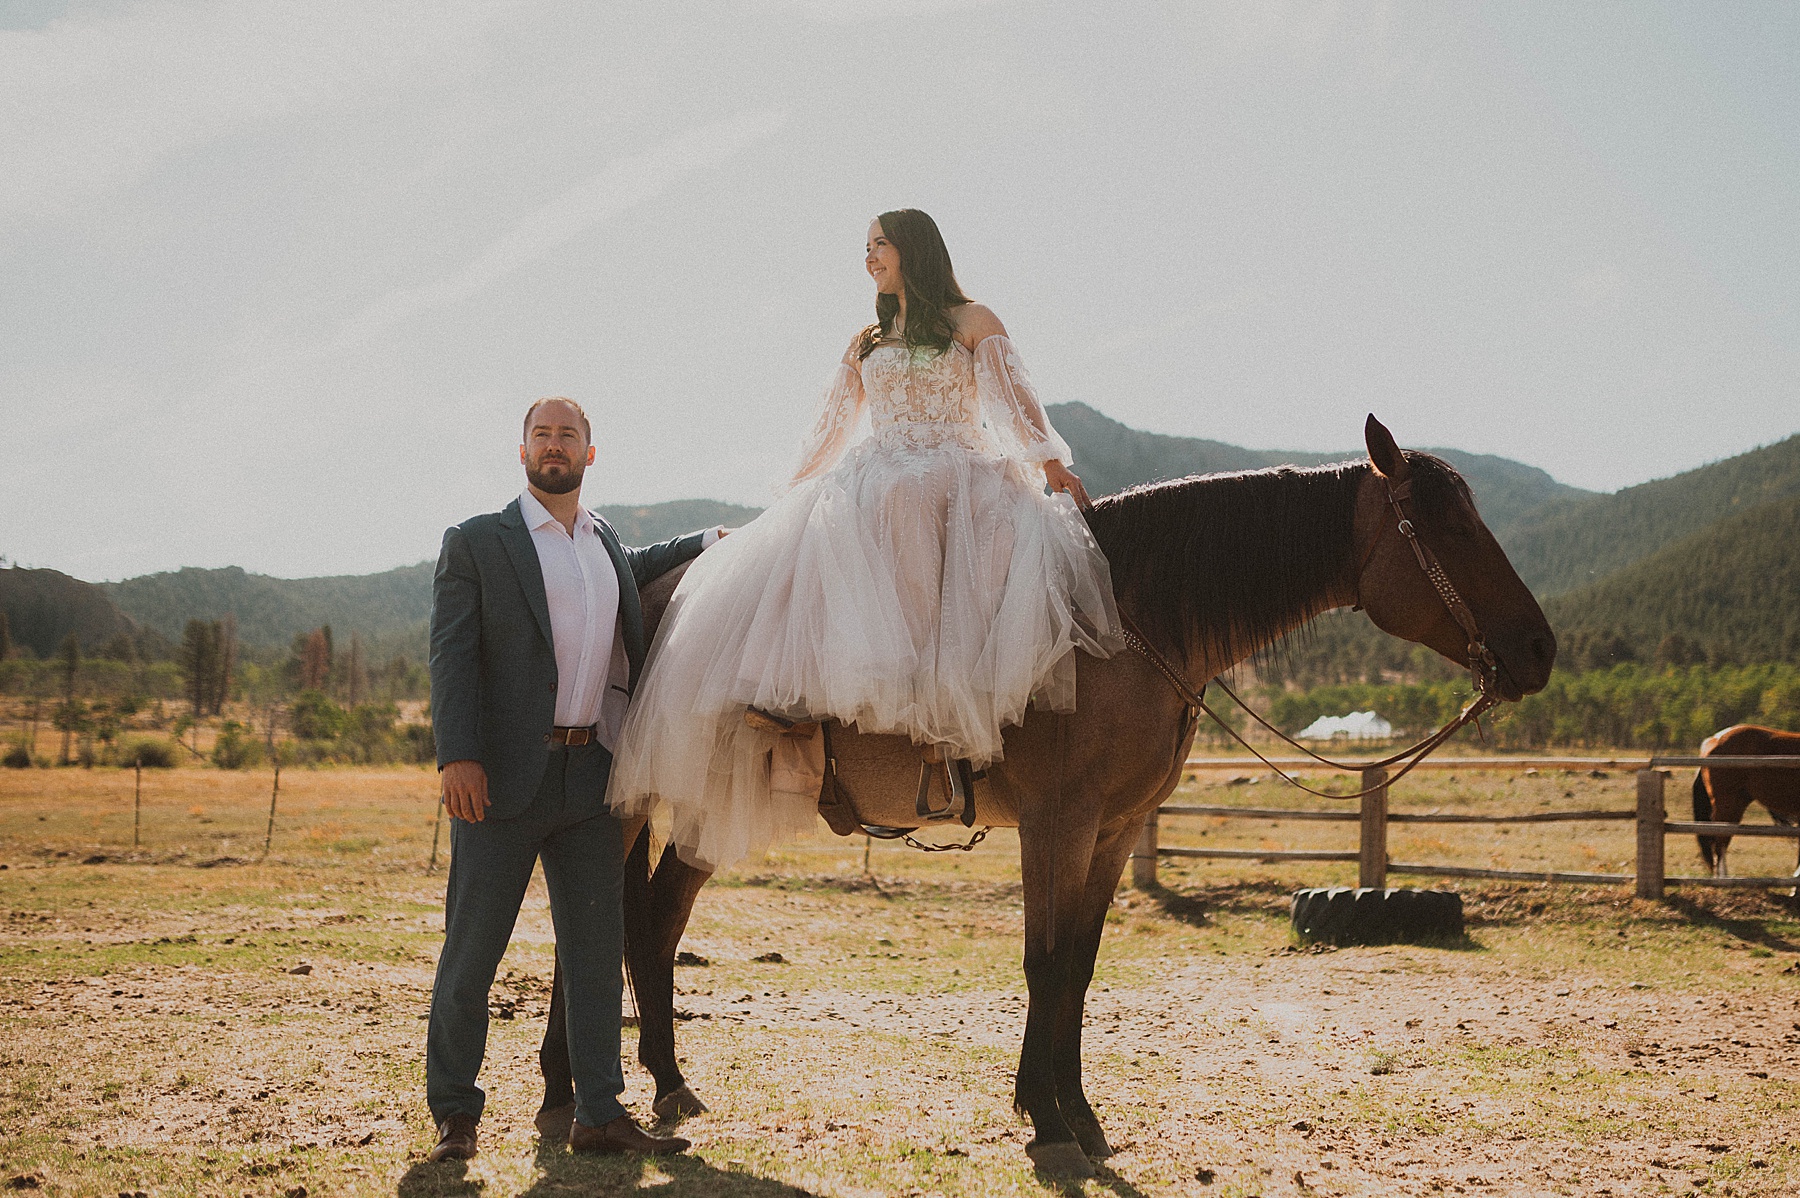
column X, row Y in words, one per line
column 568, row 827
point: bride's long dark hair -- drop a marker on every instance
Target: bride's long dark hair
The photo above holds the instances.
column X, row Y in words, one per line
column 929, row 279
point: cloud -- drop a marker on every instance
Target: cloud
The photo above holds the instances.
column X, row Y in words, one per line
column 96, row 99
column 623, row 185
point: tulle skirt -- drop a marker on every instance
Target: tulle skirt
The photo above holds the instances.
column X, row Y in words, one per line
column 929, row 592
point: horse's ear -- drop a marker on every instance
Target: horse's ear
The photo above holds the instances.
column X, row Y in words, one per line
column 1384, row 454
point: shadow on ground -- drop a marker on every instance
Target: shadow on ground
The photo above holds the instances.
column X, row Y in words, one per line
column 563, row 1174
column 1750, row 929
column 1107, row 1180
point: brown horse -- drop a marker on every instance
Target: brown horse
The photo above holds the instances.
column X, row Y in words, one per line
column 1723, row 795
column 1213, row 569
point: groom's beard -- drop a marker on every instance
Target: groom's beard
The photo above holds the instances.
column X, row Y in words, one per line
column 566, row 476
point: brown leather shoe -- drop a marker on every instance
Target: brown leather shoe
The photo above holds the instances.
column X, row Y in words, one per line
column 622, row 1135
column 456, row 1139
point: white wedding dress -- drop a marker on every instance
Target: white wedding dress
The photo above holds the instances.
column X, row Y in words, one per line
column 920, row 583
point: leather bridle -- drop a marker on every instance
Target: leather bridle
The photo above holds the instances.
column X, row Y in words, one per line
column 1484, row 667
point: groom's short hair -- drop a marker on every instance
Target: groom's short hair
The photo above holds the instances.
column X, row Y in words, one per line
column 587, row 430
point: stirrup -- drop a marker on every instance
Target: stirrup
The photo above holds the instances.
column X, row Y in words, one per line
column 957, row 803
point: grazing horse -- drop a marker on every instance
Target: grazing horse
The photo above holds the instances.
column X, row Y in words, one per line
column 1723, row 795
column 1211, row 569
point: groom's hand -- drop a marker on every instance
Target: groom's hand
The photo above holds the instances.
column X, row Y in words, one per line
column 465, row 790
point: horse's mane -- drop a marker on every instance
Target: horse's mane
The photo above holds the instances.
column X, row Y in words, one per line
column 1226, row 563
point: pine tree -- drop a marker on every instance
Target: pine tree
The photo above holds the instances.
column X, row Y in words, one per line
column 200, row 662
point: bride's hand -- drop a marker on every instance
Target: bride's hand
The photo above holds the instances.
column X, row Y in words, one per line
column 1061, row 478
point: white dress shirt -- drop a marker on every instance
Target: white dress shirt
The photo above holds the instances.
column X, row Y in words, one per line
column 582, row 589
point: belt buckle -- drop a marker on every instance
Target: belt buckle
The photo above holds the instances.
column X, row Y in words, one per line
column 579, row 737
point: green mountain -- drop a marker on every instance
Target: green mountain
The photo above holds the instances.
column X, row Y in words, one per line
column 44, row 606
column 1729, row 593
column 1111, row 456
column 1569, row 543
column 389, row 609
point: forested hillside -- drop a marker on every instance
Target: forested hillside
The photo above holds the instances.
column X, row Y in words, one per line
column 44, row 606
column 1110, row 456
column 1571, row 543
column 1729, row 593
column 388, row 610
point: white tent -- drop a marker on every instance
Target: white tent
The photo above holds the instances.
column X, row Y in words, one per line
column 1358, row 725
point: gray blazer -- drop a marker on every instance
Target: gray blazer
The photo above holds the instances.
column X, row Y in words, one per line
column 493, row 668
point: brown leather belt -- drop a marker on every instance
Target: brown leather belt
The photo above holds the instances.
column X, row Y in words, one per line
column 573, row 737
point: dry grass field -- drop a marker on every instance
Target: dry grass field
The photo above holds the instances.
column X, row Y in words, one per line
column 190, row 1018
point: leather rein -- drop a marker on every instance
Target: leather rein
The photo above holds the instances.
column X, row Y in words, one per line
column 1483, row 666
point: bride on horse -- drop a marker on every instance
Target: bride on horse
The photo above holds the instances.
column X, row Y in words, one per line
column 918, row 582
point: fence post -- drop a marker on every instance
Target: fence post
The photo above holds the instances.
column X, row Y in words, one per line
column 1143, row 857
column 274, row 789
column 438, row 826
column 1371, row 869
column 137, row 801
column 1650, row 816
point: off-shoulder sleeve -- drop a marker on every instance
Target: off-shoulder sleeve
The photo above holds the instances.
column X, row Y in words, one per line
column 838, row 414
column 1009, row 405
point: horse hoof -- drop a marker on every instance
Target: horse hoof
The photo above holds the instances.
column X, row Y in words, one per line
column 679, row 1103
column 1064, row 1158
column 1093, row 1142
column 553, row 1122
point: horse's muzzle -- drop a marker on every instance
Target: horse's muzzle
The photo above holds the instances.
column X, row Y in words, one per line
column 1525, row 662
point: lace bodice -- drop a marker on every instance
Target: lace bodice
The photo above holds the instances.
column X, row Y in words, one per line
column 919, row 399
column 980, row 400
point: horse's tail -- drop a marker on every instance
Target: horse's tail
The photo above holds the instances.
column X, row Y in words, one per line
column 1703, row 813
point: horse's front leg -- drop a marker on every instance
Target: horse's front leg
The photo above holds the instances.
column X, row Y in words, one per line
column 1110, row 854
column 557, row 1111
column 1055, row 851
column 656, row 915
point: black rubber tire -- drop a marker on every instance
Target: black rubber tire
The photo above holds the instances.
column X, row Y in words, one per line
column 1364, row 915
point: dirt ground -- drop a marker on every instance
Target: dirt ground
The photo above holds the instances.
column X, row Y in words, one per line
column 184, row 1018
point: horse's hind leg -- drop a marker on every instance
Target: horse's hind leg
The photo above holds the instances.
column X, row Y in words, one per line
column 1731, row 797
column 1110, row 855
column 657, row 908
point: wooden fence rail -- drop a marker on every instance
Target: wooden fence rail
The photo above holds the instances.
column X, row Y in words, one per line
column 1312, row 765
column 1373, row 817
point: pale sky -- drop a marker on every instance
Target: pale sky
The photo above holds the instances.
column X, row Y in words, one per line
column 277, row 280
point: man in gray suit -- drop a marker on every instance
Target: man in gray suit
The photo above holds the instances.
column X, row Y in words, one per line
column 537, row 637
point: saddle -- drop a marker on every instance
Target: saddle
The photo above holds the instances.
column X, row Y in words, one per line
column 815, row 766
